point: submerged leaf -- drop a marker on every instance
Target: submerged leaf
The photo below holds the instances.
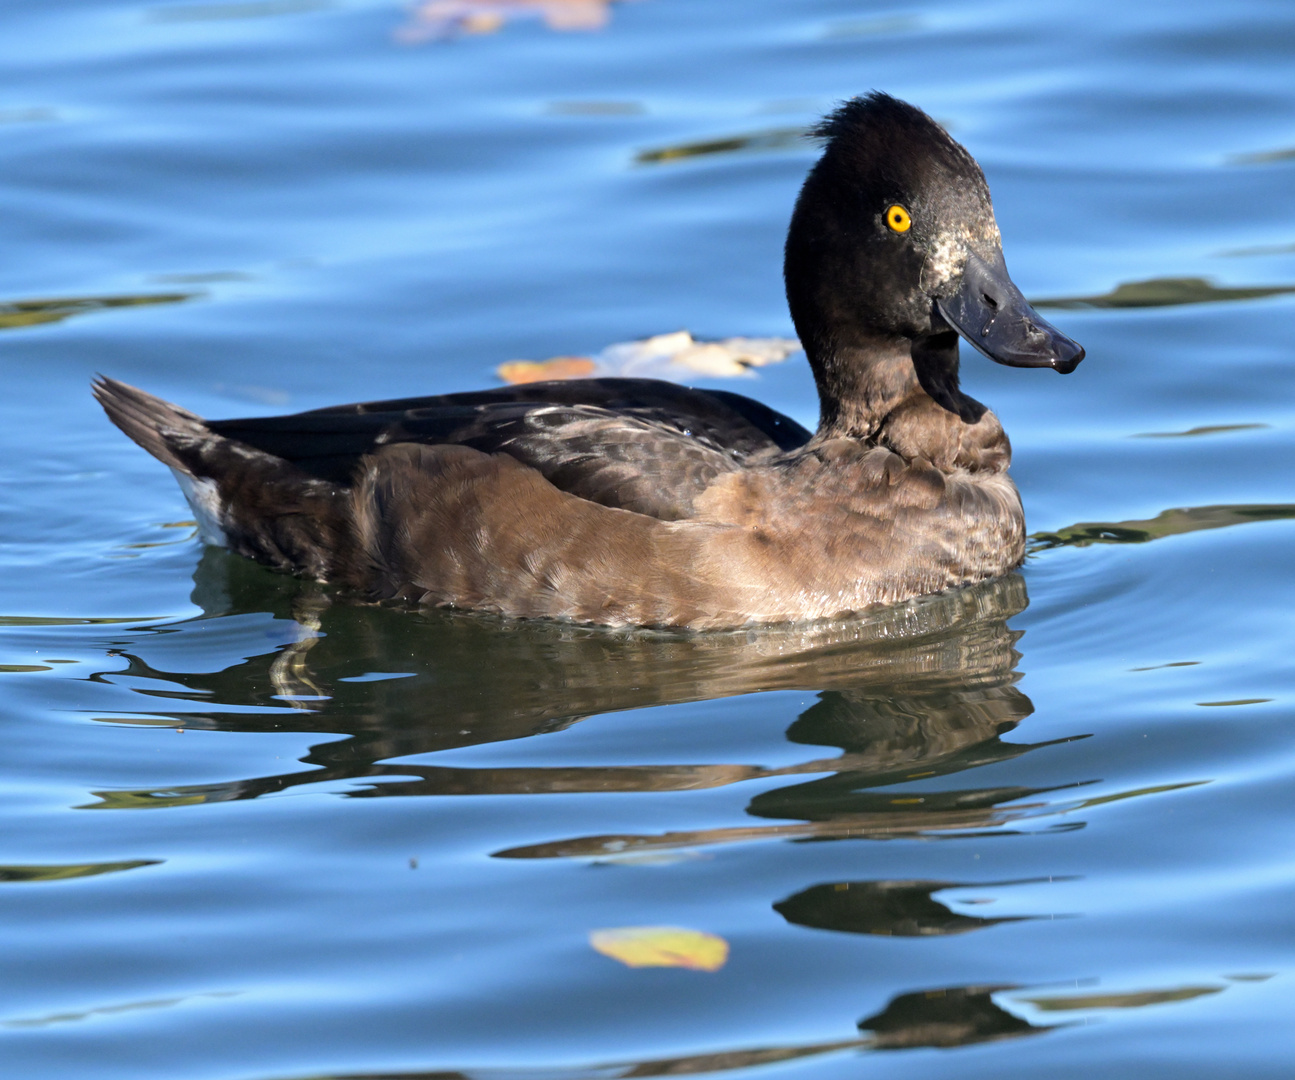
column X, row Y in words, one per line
column 661, row 946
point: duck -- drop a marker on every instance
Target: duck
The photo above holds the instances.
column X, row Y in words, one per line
column 622, row 502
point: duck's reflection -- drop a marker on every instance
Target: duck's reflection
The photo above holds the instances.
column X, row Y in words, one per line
column 946, row 1017
column 890, row 908
column 910, row 693
column 904, row 701
column 952, row 1016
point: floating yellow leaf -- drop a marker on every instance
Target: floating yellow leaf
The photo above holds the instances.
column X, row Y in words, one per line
column 560, row 367
column 662, row 946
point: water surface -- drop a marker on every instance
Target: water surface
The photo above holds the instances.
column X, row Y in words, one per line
column 1040, row 827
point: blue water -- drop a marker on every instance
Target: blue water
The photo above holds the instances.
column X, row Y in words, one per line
column 1041, row 827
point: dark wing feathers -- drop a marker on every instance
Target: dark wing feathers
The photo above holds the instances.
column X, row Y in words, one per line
column 636, row 444
column 731, row 420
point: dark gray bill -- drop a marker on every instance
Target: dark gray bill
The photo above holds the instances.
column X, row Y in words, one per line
column 990, row 312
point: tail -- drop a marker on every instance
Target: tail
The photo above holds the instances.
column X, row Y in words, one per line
column 245, row 499
column 158, row 426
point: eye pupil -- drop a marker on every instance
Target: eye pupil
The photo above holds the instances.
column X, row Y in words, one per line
column 898, row 219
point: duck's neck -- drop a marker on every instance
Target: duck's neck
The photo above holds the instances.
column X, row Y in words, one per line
column 860, row 383
column 902, row 392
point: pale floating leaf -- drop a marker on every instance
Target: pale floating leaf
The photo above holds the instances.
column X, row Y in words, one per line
column 661, row 946
column 441, row 19
column 517, row 372
column 675, row 356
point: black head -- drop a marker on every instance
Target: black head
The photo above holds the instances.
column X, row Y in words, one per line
column 894, row 236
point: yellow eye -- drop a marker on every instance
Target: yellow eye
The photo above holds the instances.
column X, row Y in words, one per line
column 897, row 218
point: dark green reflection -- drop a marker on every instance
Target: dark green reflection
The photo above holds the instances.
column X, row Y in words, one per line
column 1167, row 523
column 67, row 871
column 1259, row 250
column 943, row 1017
column 907, row 698
column 1166, row 292
column 19, row 313
column 891, row 908
column 111, row 1010
column 781, row 138
column 688, row 1065
column 1136, row 1000
column 1264, row 157
column 951, row 1016
column 925, row 687
column 1196, row 432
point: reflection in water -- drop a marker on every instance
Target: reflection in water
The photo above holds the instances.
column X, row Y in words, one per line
column 944, row 1018
column 64, row 871
column 1167, row 523
column 1259, row 250
column 912, row 700
column 1166, row 292
column 1264, row 157
column 1135, row 1000
column 921, row 688
column 782, row 138
column 908, row 695
column 1196, row 432
column 55, row 620
column 882, row 26
column 234, row 9
column 689, row 1065
column 939, row 707
column 890, row 908
column 37, row 114
column 595, row 108
column 19, row 313
column 954, row 1016
column 112, row 1010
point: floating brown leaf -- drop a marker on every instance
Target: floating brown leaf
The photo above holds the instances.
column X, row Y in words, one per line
column 517, row 372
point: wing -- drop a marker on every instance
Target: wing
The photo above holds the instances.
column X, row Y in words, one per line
column 635, row 444
column 730, row 419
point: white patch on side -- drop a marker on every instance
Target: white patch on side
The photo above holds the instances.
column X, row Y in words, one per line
column 205, row 501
